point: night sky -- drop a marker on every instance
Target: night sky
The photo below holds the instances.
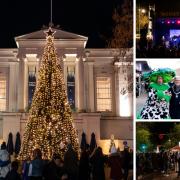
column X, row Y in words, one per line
column 91, row 18
column 161, row 5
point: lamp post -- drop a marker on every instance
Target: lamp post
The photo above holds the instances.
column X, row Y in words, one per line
column 141, row 11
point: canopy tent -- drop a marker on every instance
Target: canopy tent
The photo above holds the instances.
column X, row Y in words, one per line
column 175, row 148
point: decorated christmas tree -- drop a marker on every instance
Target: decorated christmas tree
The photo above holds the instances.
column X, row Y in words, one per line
column 50, row 123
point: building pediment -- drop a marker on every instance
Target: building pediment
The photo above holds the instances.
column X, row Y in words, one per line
column 62, row 37
column 60, row 34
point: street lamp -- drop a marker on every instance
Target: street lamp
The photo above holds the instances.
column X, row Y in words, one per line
column 143, row 147
column 141, row 11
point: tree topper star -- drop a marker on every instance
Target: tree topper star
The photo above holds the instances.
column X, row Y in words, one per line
column 50, row 32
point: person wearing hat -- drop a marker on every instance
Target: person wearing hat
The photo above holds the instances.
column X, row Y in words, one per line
column 157, row 104
column 174, row 107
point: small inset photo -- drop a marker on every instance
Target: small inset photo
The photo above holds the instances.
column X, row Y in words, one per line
column 157, row 28
column 157, row 150
column 158, row 89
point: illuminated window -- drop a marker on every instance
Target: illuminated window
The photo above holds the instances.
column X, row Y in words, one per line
column 31, row 83
column 71, row 86
column 103, row 94
column 3, row 89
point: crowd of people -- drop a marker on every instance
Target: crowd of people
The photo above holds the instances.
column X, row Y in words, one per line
column 165, row 162
column 163, row 101
column 90, row 166
column 158, row 52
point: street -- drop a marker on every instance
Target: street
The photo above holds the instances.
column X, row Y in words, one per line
column 159, row 176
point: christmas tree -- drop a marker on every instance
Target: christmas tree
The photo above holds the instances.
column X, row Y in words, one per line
column 50, row 124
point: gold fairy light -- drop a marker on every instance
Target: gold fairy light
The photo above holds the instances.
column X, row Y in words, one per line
column 50, row 119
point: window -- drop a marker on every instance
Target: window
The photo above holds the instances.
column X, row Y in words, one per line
column 3, row 97
column 103, row 94
column 31, row 83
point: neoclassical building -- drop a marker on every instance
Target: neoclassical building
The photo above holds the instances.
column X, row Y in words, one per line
column 98, row 81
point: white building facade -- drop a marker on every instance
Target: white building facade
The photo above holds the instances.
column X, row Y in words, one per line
column 98, row 82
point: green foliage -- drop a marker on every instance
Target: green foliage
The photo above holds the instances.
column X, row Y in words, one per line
column 175, row 136
column 123, row 28
column 168, row 144
column 143, row 139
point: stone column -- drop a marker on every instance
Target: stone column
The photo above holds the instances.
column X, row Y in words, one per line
column 117, row 90
column 21, row 85
column 91, row 87
column 65, row 73
column 81, row 84
column 86, row 95
column 130, row 69
column 124, row 96
column 13, row 78
column 25, row 83
column 77, row 87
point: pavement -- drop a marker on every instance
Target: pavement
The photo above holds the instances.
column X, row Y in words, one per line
column 107, row 174
column 140, row 101
column 159, row 176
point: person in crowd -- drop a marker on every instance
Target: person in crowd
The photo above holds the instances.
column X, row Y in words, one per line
column 176, row 162
column 97, row 160
column 157, row 104
column 54, row 169
column 36, row 166
column 13, row 174
column 166, row 162
column 25, row 169
column 115, row 163
column 71, row 163
column 137, row 89
column 178, row 159
column 84, row 165
column 126, row 162
column 175, row 99
column 5, row 164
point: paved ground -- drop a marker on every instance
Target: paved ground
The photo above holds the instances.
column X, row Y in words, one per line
column 107, row 174
column 140, row 101
column 159, row 176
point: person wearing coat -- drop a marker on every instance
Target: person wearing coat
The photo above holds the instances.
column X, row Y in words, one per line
column 5, row 164
column 97, row 160
column 174, row 107
column 126, row 162
column 36, row 166
column 54, row 170
column 13, row 173
column 71, row 163
column 115, row 163
column 84, row 168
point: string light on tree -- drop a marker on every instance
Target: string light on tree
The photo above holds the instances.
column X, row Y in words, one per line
column 50, row 123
